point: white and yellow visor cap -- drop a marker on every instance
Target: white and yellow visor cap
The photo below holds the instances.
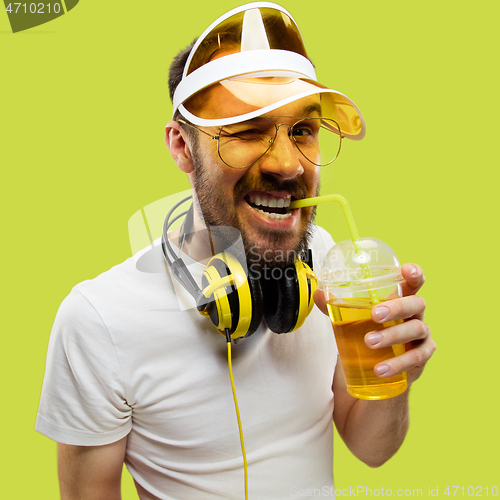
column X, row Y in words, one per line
column 256, row 54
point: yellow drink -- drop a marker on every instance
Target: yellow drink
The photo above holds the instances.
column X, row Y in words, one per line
column 351, row 319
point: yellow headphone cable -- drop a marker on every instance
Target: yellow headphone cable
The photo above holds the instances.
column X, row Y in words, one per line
column 245, row 465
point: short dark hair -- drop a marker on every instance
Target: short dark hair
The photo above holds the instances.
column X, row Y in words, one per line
column 177, row 68
column 174, row 78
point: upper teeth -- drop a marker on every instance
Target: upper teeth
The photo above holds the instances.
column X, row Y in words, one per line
column 270, row 201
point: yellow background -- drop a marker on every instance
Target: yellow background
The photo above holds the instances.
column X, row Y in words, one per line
column 83, row 104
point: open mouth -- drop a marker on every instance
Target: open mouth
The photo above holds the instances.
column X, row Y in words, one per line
column 270, row 206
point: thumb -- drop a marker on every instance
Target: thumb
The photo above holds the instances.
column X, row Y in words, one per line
column 320, row 300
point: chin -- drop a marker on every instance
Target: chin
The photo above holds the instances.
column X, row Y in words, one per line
column 274, row 248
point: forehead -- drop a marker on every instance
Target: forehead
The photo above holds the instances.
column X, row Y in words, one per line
column 217, row 102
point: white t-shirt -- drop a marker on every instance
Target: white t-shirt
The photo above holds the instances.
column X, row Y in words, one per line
column 125, row 358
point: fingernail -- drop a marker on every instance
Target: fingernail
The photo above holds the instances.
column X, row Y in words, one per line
column 381, row 312
column 374, row 338
column 413, row 271
column 380, row 370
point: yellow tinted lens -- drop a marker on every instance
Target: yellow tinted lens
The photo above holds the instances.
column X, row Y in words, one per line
column 342, row 111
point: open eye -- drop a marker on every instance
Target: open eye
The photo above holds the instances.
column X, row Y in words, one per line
column 302, row 131
column 306, row 130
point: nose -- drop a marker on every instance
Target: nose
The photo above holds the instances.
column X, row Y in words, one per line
column 282, row 160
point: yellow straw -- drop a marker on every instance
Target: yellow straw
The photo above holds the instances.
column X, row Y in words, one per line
column 351, row 226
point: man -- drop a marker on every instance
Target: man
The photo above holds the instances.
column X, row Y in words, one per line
column 133, row 377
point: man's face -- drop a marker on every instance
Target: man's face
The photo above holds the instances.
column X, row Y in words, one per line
column 237, row 197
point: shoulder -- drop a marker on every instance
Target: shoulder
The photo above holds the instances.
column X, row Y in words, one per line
column 116, row 300
column 121, row 275
column 320, row 243
column 128, row 284
column 320, row 236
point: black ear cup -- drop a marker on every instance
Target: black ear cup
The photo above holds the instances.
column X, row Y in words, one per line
column 281, row 298
column 257, row 304
column 288, row 296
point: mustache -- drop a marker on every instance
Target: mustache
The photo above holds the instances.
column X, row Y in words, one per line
column 295, row 187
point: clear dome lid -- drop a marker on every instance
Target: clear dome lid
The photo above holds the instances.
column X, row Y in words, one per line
column 347, row 267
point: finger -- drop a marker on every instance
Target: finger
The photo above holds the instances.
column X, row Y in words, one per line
column 398, row 334
column 320, row 300
column 413, row 359
column 414, row 277
column 403, row 308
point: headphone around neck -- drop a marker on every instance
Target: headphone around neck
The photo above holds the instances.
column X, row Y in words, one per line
column 237, row 301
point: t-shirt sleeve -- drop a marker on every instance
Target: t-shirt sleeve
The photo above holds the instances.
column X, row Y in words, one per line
column 83, row 398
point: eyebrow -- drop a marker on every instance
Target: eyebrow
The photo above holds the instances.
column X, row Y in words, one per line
column 311, row 109
column 255, row 119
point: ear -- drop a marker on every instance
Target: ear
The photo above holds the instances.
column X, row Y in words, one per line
column 177, row 143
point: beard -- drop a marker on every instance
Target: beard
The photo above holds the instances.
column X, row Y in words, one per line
column 218, row 210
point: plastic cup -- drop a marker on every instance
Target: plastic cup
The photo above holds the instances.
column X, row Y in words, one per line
column 350, row 299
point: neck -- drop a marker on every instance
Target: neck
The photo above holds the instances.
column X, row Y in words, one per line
column 197, row 240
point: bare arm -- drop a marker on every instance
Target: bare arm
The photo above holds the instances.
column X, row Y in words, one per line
column 91, row 472
column 372, row 430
